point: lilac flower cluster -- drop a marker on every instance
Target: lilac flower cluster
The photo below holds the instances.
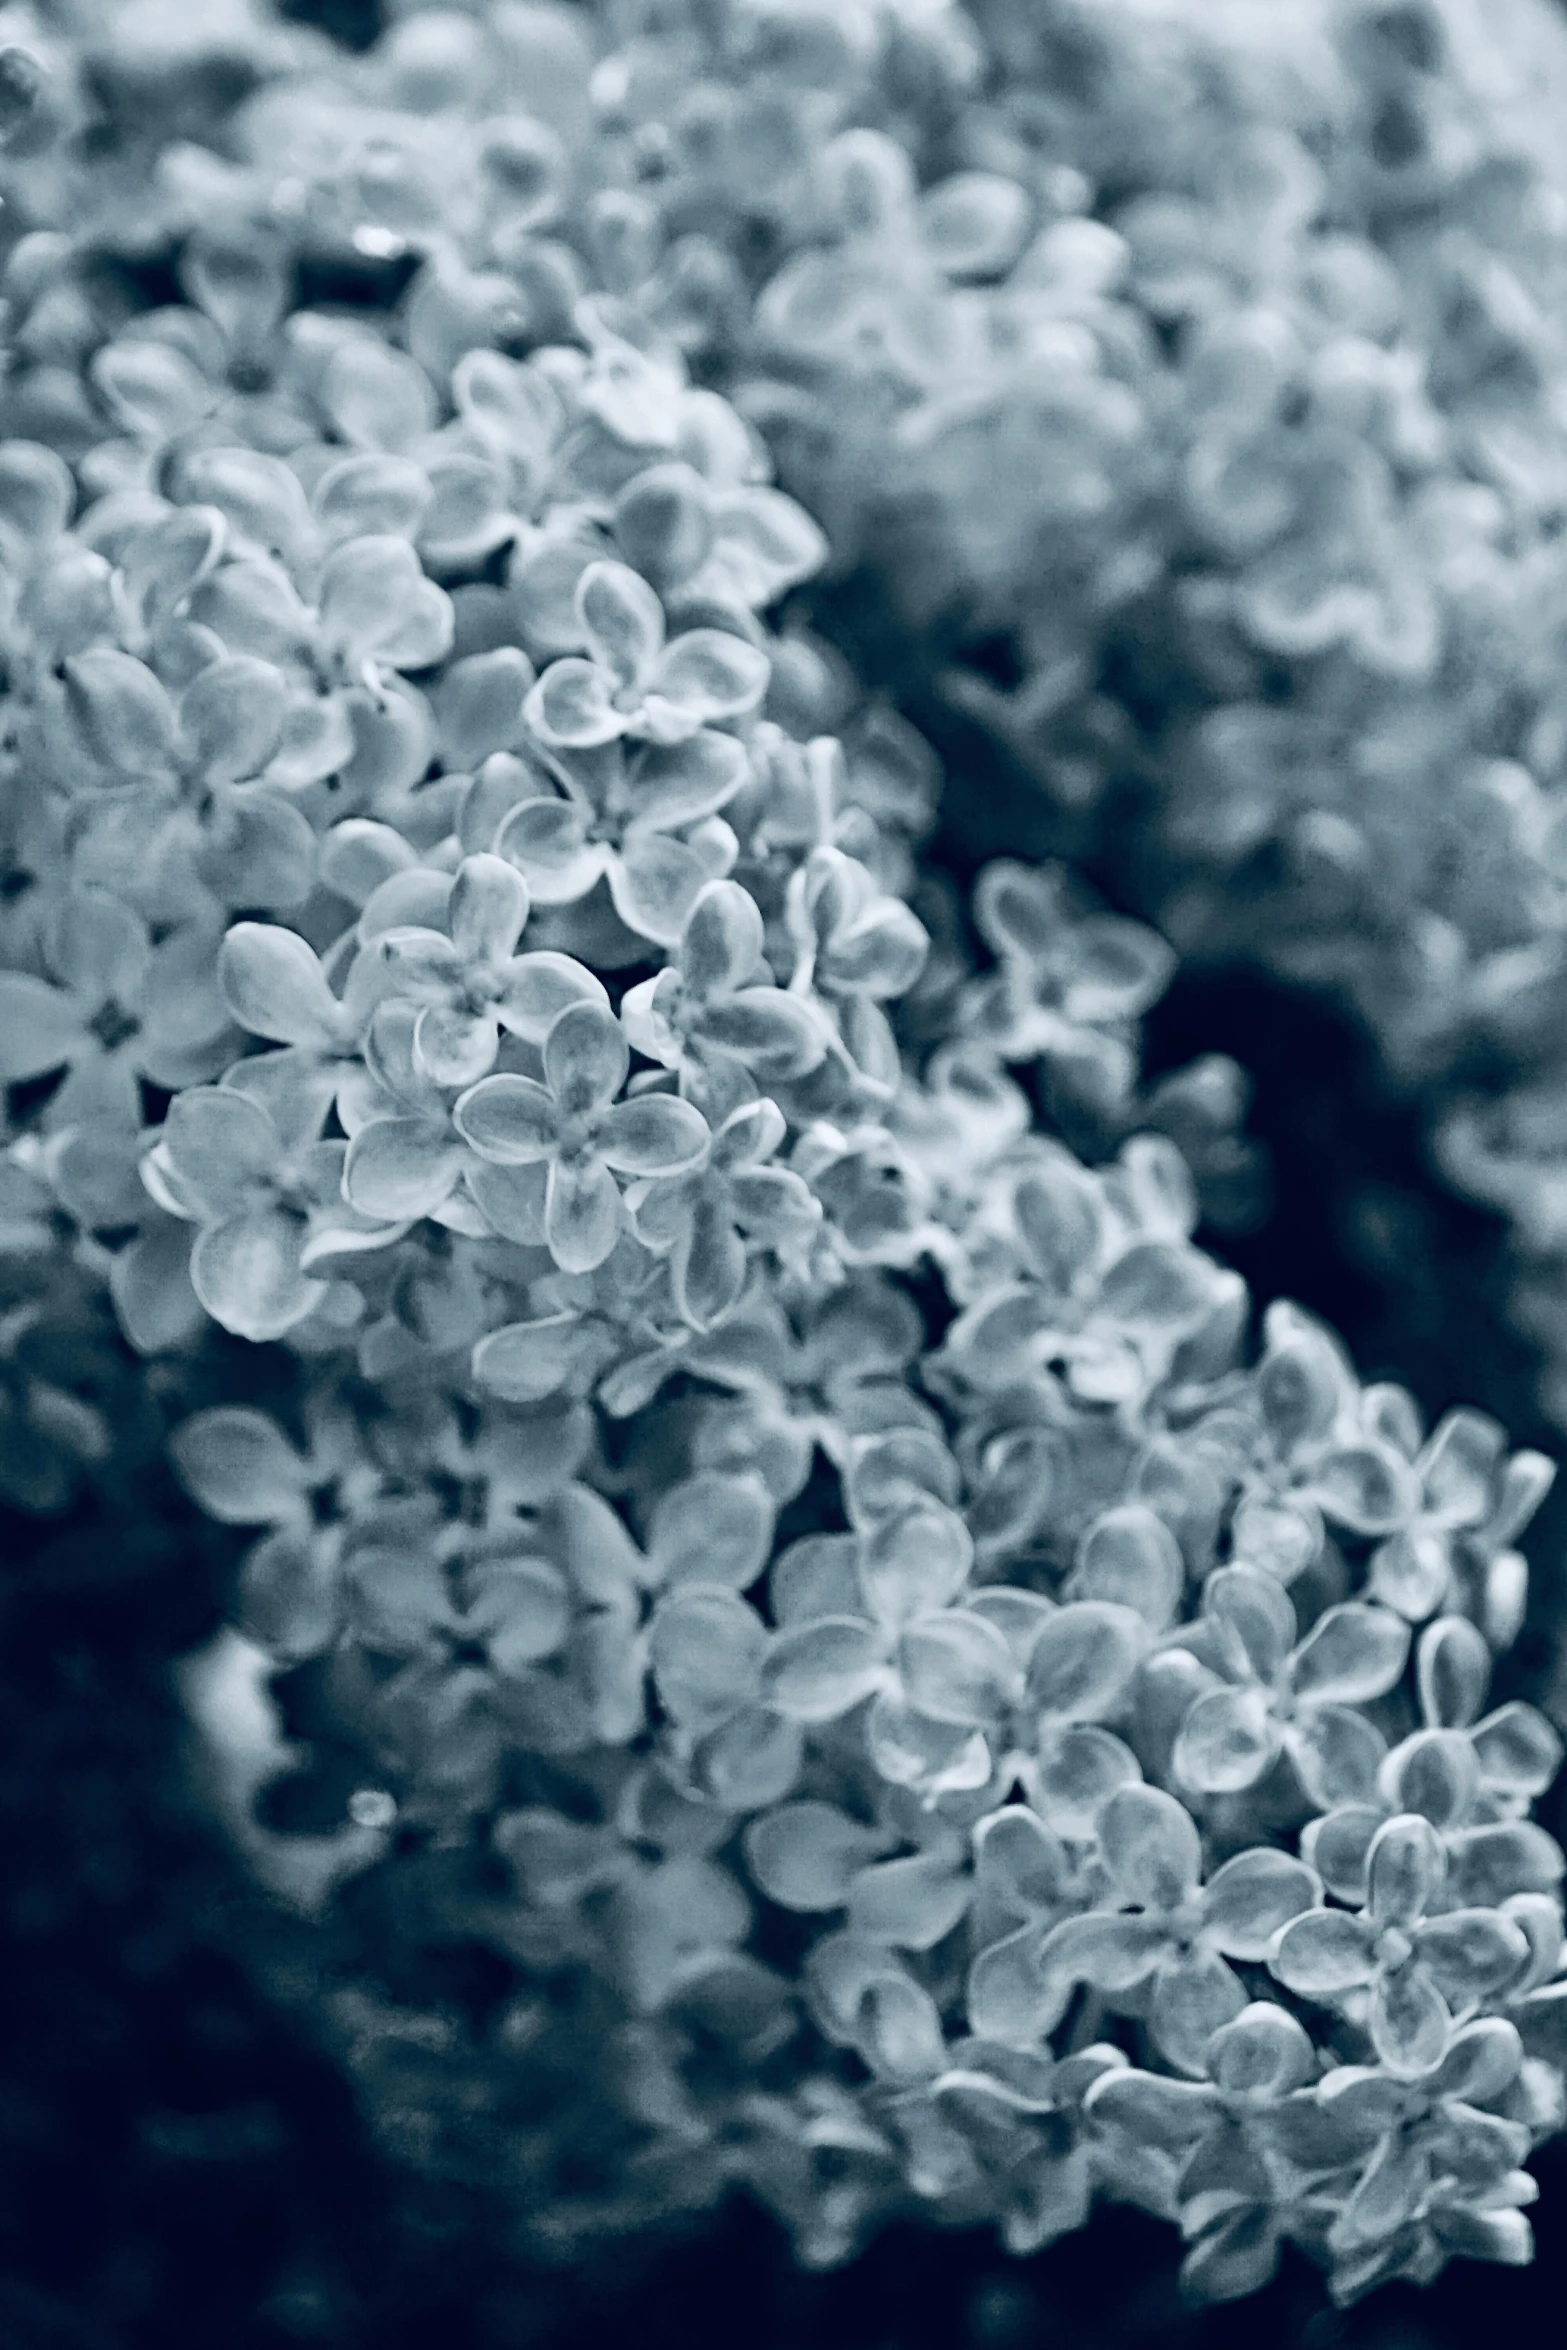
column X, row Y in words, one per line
column 819, row 1581
column 1207, row 359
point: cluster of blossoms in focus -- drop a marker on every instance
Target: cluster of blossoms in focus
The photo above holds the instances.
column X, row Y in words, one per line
column 922, row 1708
column 1201, row 365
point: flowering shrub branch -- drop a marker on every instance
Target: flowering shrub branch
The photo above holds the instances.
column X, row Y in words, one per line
column 820, row 1580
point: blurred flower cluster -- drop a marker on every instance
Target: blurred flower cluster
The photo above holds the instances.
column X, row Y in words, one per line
column 820, row 1589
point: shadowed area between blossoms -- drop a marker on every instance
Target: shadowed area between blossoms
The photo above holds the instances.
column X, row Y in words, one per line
column 1355, row 1223
column 356, row 24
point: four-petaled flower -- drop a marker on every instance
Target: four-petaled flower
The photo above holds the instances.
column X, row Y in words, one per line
column 1272, row 1696
column 404, row 1156
column 1110, row 1298
column 710, row 1219
column 842, row 1376
column 1443, row 1512
column 245, row 1472
column 578, row 1135
column 375, row 609
column 743, row 544
column 1455, row 1771
column 1069, row 982
column 631, row 682
column 1256, row 2157
column 857, row 947
column 1159, row 1941
column 1431, row 2153
column 268, row 1200
column 534, row 1626
column 115, row 1008
column 874, row 1618
column 1025, row 1875
column 275, row 985
column 999, row 2130
column 1402, row 1962
column 1473, row 1499
column 469, row 980
column 715, row 1014
column 605, row 814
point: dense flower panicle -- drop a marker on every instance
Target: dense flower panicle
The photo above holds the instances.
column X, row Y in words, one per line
column 1208, row 363
column 811, row 1569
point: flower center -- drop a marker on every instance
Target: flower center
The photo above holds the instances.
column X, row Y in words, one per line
column 1395, row 1949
